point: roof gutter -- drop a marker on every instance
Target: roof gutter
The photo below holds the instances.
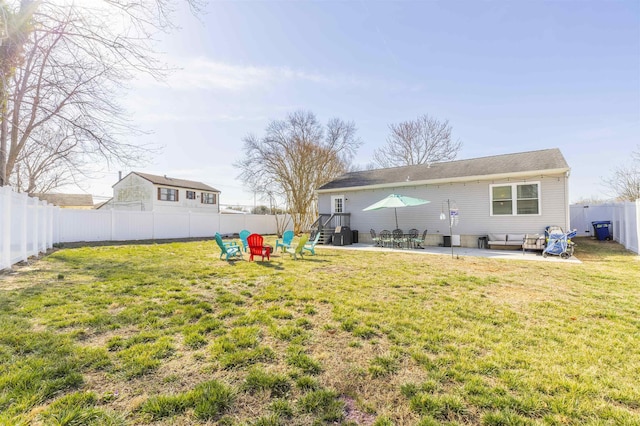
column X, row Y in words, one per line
column 496, row 176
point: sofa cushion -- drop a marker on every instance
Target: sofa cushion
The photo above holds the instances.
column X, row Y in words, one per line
column 498, row 237
column 515, row 237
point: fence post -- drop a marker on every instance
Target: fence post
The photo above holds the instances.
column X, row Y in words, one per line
column 36, row 227
column 24, row 203
column 43, row 227
column 636, row 244
column 5, row 240
column 50, row 226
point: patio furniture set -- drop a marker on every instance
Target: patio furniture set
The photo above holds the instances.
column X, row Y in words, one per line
column 254, row 244
column 399, row 239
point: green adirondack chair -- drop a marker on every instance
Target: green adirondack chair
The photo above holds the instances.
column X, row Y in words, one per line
column 228, row 249
column 299, row 248
column 311, row 245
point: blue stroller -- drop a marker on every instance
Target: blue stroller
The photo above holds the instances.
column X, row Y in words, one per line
column 560, row 244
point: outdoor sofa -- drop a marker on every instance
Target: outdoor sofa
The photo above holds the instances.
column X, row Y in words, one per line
column 516, row 241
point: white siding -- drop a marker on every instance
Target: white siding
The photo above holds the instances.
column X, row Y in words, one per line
column 472, row 199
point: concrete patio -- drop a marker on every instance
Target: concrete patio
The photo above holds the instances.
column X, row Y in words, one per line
column 459, row 251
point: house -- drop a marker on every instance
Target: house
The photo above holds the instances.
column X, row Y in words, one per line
column 68, row 201
column 512, row 193
column 146, row 192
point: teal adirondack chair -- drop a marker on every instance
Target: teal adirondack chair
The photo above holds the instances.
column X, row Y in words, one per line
column 243, row 237
column 311, row 245
column 226, row 243
column 287, row 238
column 227, row 249
column 298, row 250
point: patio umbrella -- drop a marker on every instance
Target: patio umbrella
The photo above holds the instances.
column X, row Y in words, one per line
column 394, row 201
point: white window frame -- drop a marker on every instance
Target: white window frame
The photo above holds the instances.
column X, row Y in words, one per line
column 514, row 198
column 333, row 203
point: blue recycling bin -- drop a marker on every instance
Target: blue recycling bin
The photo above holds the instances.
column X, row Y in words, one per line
column 602, row 230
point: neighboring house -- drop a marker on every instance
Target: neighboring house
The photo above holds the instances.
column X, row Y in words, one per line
column 512, row 193
column 145, row 192
column 68, row 201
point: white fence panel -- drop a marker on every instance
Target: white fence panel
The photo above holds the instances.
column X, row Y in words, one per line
column 124, row 225
column 26, row 227
column 624, row 217
column 232, row 223
column 261, row 224
column 131, row 225
column 203, row 224
column 170, row 225
column 84, row 225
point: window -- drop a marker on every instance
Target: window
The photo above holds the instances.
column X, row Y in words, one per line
column 167, row 194
column 208, row 198
column 502, row 200
column 527, row 202
column 191, row 195
column 515, row 199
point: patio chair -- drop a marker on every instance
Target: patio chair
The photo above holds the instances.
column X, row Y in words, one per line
column 419, row 241
column 311, row 245
column 226, row 243
column 386, row 238
column 243, row 237
column 287, row 238
column 398, row 238
column 228, row 250
column 412, row 237
column 377, row 241
column 257, row 247
column 298, row 251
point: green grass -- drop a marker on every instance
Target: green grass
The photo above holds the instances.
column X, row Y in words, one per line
column 170, row 334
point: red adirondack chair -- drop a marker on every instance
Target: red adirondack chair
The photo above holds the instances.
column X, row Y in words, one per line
column 256, row 247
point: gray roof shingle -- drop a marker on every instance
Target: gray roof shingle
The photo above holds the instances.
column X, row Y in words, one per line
column 532, row 161
column 180, row 183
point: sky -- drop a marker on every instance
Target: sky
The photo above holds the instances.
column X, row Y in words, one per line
column 510, row 76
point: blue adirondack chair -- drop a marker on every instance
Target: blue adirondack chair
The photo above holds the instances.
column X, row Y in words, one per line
column 311, row 245
column 228, row 249
column 285, row 243
column 243, row 237
column 299, row 248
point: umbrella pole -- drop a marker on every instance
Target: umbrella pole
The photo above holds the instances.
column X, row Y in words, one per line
column 396, row 212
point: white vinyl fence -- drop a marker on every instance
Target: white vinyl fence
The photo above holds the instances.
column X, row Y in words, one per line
column 26, row 227
column 29, row 226
column 624, row 217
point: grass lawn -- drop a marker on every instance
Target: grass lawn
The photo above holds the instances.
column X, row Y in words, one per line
column 168, row 334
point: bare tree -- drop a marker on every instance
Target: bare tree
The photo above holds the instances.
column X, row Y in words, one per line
column 625, row 181
column 15, row 26
column 60, row 68
column 295, row 157
column 420, row 141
